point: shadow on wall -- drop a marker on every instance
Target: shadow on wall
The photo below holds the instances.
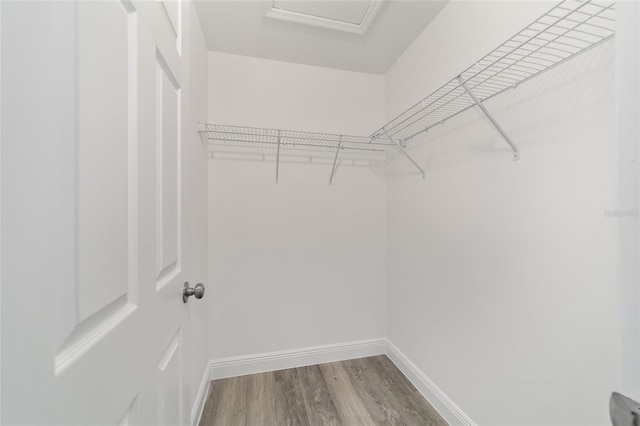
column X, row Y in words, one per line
column 580, row 79
column 375, row 162
column 377, row 159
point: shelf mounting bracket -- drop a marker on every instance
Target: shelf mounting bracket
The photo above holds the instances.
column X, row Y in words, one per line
column 397, row 144
column 516, row 153
column 335, row 161
column 278, row 158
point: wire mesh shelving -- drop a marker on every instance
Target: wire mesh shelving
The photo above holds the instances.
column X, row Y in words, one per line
column 568, row 29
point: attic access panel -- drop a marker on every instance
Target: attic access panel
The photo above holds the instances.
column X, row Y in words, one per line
column 352, row 16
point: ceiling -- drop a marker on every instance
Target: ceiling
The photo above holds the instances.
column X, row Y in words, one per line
column 355, row 35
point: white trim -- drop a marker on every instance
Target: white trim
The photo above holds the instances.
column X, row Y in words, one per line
column 0, row 205
column 318, row 21
column 201, row 396
column 432, row 393
column 272, row 361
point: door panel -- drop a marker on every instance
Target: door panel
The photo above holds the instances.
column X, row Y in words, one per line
column 130, row 417
column 103, row 319
column 170, row 201
column 103, row 156
column 170, row 391
column 98, row 291
column 173, row 8
column 168, row 181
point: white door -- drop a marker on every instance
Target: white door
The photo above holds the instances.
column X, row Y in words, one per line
column 94, row 202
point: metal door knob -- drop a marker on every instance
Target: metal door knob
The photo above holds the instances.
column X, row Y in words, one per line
column 197, row 291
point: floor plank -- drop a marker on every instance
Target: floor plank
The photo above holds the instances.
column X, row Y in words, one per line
column 232, row 408
column 290, row 407
column 211, row 403
column 320, row 407
column 416, row 409
column 380, row 403
column 261, row 403
column 360, row 392
column 350, row 407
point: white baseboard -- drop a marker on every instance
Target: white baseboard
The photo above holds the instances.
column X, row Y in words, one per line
column 201, row 396
column 273, row 361
column 432, row 393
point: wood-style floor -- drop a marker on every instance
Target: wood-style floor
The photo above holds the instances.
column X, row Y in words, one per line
column 367, row 391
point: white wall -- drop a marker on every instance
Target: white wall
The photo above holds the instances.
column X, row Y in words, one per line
column 198, row 218
column 628, row 124
column 257, row 92
column 299, row 263
column 502, row 275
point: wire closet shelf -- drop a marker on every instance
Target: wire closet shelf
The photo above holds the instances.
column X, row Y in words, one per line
column 292, row 138
column 568, row 29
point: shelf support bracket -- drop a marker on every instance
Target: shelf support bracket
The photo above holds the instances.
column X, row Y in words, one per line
column 516, row 153
column 397, row 144
column 278, row 158
column 335, row 161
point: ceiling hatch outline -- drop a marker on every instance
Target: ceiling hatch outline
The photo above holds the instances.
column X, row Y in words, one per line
column 270, row 10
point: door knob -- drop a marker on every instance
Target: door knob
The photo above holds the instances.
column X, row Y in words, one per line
column 197, row 291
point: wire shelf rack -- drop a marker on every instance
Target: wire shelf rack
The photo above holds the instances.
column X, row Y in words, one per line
column 278, row 141
column 568, row 29
column 292, row 139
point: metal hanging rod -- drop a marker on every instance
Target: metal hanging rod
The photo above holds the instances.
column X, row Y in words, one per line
column 216, row 133
column 568, row 29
